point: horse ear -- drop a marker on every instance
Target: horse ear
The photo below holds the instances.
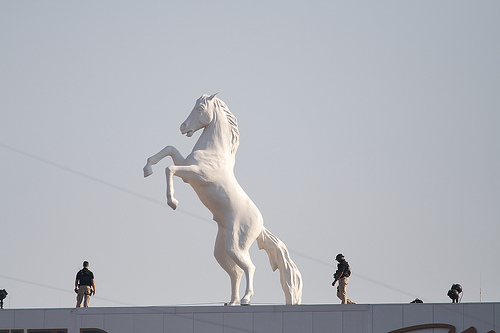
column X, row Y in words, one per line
column 212, row 97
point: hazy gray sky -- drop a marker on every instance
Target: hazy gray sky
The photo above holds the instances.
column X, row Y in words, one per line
column 366, row 128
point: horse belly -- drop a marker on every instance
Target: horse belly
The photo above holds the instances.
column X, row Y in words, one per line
column 229, row 203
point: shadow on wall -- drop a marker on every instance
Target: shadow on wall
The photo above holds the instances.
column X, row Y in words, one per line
column 451, row 328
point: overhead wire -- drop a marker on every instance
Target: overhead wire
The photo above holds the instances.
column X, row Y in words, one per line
column 59, row 289
column 157, row 202
column 125, row 190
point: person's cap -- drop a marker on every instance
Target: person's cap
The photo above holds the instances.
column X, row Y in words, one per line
column 339, row 256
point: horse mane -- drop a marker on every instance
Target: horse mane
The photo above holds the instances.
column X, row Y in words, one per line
column 231, row 119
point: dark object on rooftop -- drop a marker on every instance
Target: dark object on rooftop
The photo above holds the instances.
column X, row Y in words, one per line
column 417, row 300
column 454, row 292
column 3, row 294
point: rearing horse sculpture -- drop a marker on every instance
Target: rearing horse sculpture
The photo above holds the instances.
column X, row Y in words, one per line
column 209, row 170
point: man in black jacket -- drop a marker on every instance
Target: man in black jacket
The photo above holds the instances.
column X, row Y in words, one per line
column 84, row 285
column 342, row 275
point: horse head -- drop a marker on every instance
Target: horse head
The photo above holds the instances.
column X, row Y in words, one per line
column 221, row 127
column 201, row 115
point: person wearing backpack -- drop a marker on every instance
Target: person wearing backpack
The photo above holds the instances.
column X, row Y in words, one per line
column 342, row 275
column 84, row 285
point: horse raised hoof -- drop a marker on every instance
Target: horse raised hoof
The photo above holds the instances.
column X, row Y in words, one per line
column 173, row 203
column 148, row 171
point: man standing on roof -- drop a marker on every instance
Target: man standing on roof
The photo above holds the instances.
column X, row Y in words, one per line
column 83, row 283
column 342, row 275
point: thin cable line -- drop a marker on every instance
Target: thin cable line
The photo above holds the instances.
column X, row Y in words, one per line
column 122, row 189
column 60, row 289
column 357, row 274
column 97, row 180
column 81, row 174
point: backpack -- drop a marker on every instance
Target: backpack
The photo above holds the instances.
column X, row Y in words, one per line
column 85, row 277
column 348, row 270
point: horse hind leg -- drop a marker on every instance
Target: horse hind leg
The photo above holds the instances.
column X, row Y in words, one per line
column 242, row 258
column 227, row 263
column 239, row 238
column 235, row 274
column 249, row 273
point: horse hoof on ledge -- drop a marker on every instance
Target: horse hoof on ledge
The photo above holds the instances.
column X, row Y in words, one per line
column 245, row 304
column 245, row 301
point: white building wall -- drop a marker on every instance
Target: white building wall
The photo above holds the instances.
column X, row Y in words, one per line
column 358, row 318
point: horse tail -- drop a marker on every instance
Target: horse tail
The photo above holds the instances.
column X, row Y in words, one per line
column 290, row 278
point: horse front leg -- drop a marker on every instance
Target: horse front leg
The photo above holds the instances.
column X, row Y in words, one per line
column 184, row 172
column 167, row 151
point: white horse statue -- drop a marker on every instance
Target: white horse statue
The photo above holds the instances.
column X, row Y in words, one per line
column 209, row 170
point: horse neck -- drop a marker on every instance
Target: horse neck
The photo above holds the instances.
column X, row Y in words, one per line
column 216, row 137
